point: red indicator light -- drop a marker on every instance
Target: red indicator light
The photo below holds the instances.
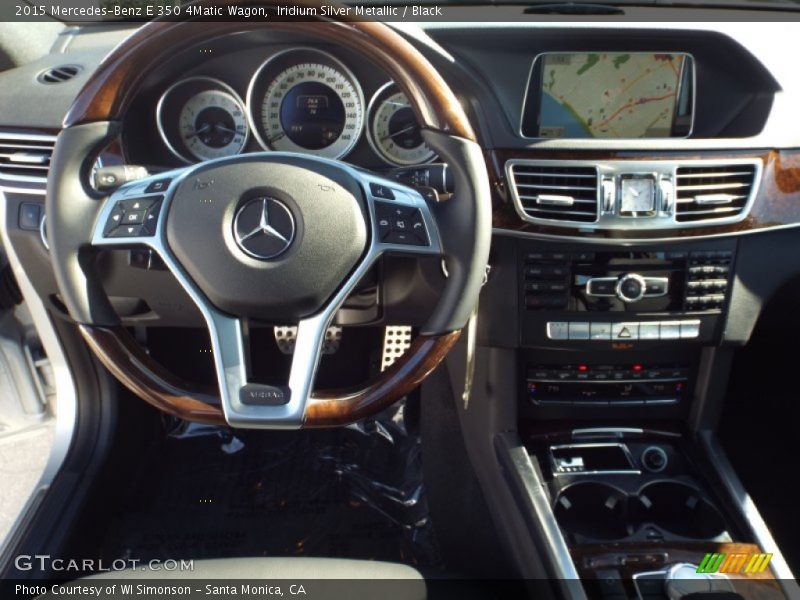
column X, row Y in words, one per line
column 583, row 368
column 637, row 368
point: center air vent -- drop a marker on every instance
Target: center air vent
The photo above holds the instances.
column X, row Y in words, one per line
column 25, row 158
column 705, row 193
column 59, row 74
column 554, row 192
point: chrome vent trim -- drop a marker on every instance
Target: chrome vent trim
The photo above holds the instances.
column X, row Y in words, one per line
column 707, row 193
column 554, row 192
column 726, row 181
column 25, row 158
column 60, row 74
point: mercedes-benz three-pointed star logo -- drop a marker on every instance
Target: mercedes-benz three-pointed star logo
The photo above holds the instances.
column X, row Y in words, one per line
column 264, row 228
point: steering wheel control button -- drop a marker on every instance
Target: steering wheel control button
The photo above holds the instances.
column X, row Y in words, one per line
column 631, row 288
column 401, row 225
column 134, row 204
column 134, row 217
column 263, row 395
column 264, row 228
column 126, row 231
column 151, row 219
column 114, row 220
column 381, row 191
column 30, row 214
column 157, row 186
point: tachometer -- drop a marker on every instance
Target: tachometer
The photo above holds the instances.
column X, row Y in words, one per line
column 306, row 101
column 393, row 130
column 202, row 118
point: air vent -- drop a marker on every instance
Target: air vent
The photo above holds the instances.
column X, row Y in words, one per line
column 25, row 158
column 554, row 192
column 59, row 74
column 705, row 193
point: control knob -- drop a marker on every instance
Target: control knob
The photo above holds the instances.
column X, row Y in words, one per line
column 631, row 287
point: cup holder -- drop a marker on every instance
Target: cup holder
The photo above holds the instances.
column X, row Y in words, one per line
column 679, row 509
column 593, row 510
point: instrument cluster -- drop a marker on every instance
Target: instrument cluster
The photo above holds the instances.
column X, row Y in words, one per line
column 298, row 100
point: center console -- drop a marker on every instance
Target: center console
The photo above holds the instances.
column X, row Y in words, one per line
column 640, row 515
column 613, row 337
column 608, row 331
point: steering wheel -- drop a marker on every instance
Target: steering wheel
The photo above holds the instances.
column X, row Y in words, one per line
column 270, row 236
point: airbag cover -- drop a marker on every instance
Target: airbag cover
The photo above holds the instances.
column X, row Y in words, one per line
column 329, row 234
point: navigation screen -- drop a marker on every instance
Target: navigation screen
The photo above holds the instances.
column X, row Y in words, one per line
column 610, row 95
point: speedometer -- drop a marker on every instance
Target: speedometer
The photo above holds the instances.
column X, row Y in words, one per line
column 393, row 130
column 306, row 101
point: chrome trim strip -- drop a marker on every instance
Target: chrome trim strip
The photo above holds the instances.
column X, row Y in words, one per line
column 625, row 243
column 664, row 169
column 230, row 355
column 66, row 393
column 527, row 478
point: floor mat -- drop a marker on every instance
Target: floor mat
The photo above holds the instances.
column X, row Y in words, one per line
column 352, row 493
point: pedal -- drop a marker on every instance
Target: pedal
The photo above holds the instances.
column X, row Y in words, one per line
column 286, row 337
column 396, row 340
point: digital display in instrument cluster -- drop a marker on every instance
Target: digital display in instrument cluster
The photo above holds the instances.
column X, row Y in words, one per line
column 622, row 95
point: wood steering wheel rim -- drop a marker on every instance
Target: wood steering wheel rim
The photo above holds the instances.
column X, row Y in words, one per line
column 106, row 98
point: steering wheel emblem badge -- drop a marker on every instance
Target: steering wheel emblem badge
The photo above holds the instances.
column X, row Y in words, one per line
column 264, row 228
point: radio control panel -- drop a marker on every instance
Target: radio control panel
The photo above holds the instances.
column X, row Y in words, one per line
column 624, row 281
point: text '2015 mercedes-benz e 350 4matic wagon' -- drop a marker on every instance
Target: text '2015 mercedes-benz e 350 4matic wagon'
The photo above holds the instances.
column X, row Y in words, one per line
column 399, row 300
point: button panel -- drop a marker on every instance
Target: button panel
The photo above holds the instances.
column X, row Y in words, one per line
column 546, row 278
column 645, row 330
column 607, row 385
column 707, row 281
column 133, row 217
column 400, row 224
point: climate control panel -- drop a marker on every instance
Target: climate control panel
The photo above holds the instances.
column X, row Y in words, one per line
column 615, row 385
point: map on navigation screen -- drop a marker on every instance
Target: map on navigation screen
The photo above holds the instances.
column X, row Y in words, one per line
column 609, row 95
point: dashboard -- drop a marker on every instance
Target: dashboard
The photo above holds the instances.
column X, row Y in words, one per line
column 731, row 103
column 311, row 99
